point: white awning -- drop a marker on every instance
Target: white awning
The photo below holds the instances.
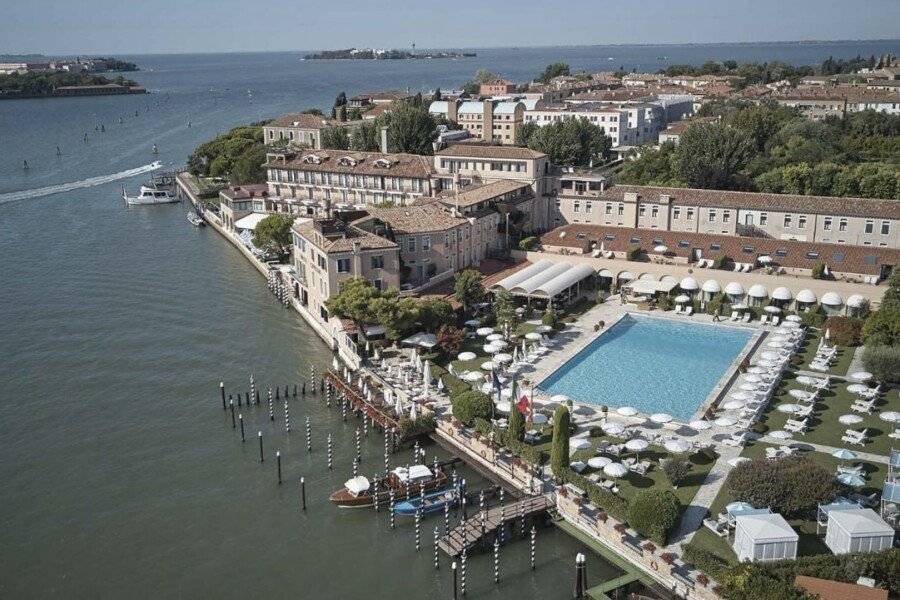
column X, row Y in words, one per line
column 626, row 276
column 605, row 273
column 689, row 284
column 734, row 289
column 250, row 221
column 564, row 280
column 781, row 293
column 855, row 301
column 806, row 296
column 535, row 281
column 711, row 286
column 832, row 299
column 507, row 283
column 647, row 286
column 425, row 340
column 757, row 291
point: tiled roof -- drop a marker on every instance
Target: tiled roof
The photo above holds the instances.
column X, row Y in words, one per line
column 302, row 120
column 480, row 193
column 826, row 589
column 420, row 218
column 679, row 127
column 821, row 205
column 333, row 245
column 850, row 93
column 487, row 151
column 786, row 253
column 359, row 163
column 244, row 192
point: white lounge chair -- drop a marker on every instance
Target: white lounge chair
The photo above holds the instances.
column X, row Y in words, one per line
column 735, row 315
column 737, row 267
column 746, row 318
column 678, row 309
column 775, row 320
column 764, row 320
column 689, row 311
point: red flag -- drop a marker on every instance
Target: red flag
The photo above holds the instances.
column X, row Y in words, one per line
column 522, row 404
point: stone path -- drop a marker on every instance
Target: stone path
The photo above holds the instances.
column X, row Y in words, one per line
column 867, row 456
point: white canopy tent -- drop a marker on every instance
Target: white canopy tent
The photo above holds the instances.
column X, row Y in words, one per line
column 544, row 279
column 518, row 277
column 425, row 340
column 649, row 287
column 857, row 530
column 689, row 284
column 250, row 221
column 764, row 537
column 806, row 296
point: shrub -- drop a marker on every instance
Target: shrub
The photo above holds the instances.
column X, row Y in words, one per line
column 676, row 468
column 719, row 302
column 882, row 327
column 601, row 498
column 793, row 486
column 664, row 303
column 703, row 559
column 422, row 425
column 470, row 405
column 550, row 317
column 883, row 362
column 527, row 243
column 653, row 513
column 814, row 317
column 633, row 253
column 720, row 261
column 844, row 331
column 818, row 271
column 559, row 447
column 450, row 339
column 649, row 547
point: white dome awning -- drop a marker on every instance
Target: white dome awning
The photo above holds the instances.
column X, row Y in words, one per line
column 647, row 277
column 711, row 286
column 734, row 289
column 758, row 291
column 855, row 301
column 605, row 273
column 626, row 276
column 832, row 299
column 668, row 279
column 782, row 293
column 807, row 296
column 688, row 284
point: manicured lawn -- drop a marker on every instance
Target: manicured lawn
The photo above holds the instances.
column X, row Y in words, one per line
column 839, row 367
column 824, row 427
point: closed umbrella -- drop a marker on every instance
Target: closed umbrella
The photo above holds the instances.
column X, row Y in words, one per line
column 661, row 418
column 440, row 384
column 615, row 470
column 733, row 404
column 627, row 411
column 700, row 425
column 725, row 421
column 466, row 356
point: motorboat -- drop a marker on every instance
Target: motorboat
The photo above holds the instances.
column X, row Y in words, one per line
column 432, row 502
column 195, row 220
column 150, row 195
column 359, row 491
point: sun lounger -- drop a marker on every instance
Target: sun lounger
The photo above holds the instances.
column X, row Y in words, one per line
column 737, row 267
column 746, row 318
column 720, row 528
column 735, row 315
column 857, row 438
column 895, row 434
column 775, row 320
column 764, row 320
column 678, row 309
column 689, row 311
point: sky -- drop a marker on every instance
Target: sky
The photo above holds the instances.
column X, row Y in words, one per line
column 170, row 26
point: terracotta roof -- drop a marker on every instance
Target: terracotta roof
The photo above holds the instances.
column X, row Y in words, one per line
column 820, row 205
column 865, row 260
column 302, row 120
column 679, row 127
column 359, row 163
column 480, row 193
column 376, row 111
column 840, row 92
column 344, row 242
column 243, row 192
column 420, row 218
column 486, row 151
column 826, row 589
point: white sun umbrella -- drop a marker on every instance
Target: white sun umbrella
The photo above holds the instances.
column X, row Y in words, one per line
column 775, row 344
column 613, row 428
column 502, row 358
column 627, row 411
column 772, row 309
column 543, row 329
column 615, row 470
column 637, row 445
column 789, row 408
column 661, row 248
column 559, row 399
column 494, row 336
column 661, row 418
column 780, row 434
column 752, row 378
column 737, row 460
column 801, row 395
column 807, row 380
column 487, row 388
column 793, row 318
column 472, row 323
column 700, row 425
column 858, row 388
column 506, row 393
column 890, row 416
column 503, row 407
column 733, row 404
column 487, row 366
column 500, row 344
column 484, row 331
column 861, row 376
column 740, row 395
column 473, row 376
column 749, row 387
column 757, row 370
column 682, row 298
column 598, row 462
column 677, row 446
column 579, row 444
column 533, row 336
column 790, row 324
column 768, row 363
column 539, row 419
column 466, row 356
column 725, row 421
column 849, row 419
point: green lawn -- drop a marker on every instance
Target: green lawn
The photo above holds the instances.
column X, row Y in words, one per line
column 839, row 368
column 810, row 543
column 824, row 426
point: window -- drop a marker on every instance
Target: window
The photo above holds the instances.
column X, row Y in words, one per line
column 842, row 225
column 642, row 211
column 621, row 209
column 608, row 209
column 426, row 243
column 377, row 284
column 826, row 224
column 635, row 240
column 609, row 237
column 576, row 207
column 588, row 207
column 690, row 214
column 870, row 225
column 837, row 257
column 726, row 216
column 812, row 255
column 676, row 213
column 343, row 265
column 748, row 249
column 654, row 212
column 885, row 228
column 411, row 244
column 763, row 219
column 684, row 244
column 801, row 222
column 787, row 221
column 712, row 216
column 715, row 246
column 378, row 261
column 781, row 252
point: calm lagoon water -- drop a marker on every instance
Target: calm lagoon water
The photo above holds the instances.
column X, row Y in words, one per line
column 653, row 364
column 121, row 475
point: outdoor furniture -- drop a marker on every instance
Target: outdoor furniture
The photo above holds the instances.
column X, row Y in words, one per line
column 720, row 527
column 746, row 318
column 863, row 407
column 857, row 438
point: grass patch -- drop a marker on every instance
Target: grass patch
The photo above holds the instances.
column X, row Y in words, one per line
column 808, row 351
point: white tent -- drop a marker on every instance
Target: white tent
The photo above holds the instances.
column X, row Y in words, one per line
column 806, row 296
column 688, row 284
column 250, row 221
column 857, row 530
column 764, row 537
column 425, row 340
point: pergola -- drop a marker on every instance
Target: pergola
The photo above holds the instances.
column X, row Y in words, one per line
column 546, row 280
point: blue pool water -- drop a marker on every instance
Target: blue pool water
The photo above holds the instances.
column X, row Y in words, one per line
column 652, row 364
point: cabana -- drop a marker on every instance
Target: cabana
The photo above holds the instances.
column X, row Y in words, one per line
column 764, row 537
column 858, row 530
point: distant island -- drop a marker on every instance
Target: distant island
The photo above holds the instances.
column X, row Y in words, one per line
column 372, row 54
column 55, row 84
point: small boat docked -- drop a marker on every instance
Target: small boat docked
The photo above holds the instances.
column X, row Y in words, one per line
column 431, row 503
column 150, row 195
column 195, row 220
column 405, row 482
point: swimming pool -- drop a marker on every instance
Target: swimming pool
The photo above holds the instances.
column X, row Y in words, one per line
column 653, row 364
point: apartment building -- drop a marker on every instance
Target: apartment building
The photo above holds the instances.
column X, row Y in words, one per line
column 327, row 252
column 326, row 179
column 498, row 87
column 850, row 221
column 491, row 120
column 301, row 129
column 819, row 102
column 612, row 119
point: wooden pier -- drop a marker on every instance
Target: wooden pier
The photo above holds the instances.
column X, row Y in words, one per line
column 375, row 410
column 470, row 533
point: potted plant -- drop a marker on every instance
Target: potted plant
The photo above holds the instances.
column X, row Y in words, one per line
column 650, row 547
column 602, row 516
column 667, row 557
column 702, row 579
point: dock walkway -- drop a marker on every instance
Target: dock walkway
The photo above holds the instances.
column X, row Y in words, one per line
column 470, row 532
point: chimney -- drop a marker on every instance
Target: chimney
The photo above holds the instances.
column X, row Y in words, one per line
column 384, row 140
column 487, row 121
column 452, row 110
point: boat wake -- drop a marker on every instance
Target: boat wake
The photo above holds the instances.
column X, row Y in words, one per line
column 75, row 185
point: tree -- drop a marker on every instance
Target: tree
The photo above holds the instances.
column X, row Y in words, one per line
column 654, row 513
column 516, row 426
column 793, row 486
column 313, row 111
column 710, row 156
column 436, row 97
column 435, row 312
column 882, row 328
column 676, row 468
column 397, row 315
column 467, row 288
column 238, row 155
column 353, row 301
column 450, row 339
column 485, row 76
column 410, row 129
column 559, row 446
column 335, row 138
column 248, row 167
column 504, row 309
column 573, row 142
column 365, row 137
column 883, row 362
column 553, row 70
column 273, row 234
column 471, row 405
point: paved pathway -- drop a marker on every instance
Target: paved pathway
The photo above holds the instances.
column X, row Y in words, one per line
column 867, row 456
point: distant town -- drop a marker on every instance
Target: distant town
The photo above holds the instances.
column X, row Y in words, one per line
column 374, row 54
column 37, row 76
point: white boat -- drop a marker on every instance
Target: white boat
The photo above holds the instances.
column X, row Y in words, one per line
column 150, row 195
column 195, row 220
